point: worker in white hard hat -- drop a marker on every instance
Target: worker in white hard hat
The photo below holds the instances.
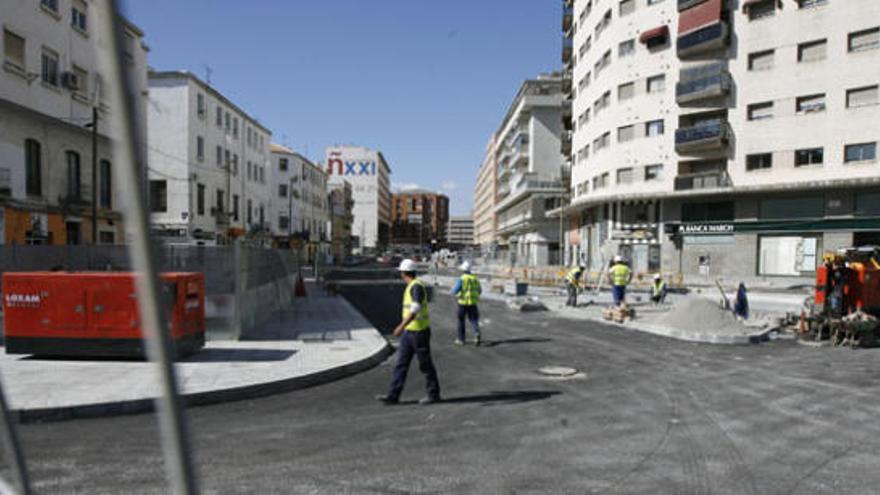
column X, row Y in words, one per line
column 414, row 331
column 658, row 289
column 619, row 276
column 467, row 291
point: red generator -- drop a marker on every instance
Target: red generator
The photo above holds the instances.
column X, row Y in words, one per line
column 96, row 313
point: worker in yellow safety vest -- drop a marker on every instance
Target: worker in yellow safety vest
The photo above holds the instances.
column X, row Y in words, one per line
column 467, row 291
column 572, row 284
column 619, row 275
column 658, row 289
column 414, row 331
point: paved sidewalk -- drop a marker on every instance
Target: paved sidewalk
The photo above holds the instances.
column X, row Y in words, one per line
column 321, row 338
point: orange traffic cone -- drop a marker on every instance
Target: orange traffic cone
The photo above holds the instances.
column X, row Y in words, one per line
column 300, row 289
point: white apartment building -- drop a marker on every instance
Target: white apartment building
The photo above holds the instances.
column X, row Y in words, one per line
column 209, row 163
column 529, row 167
column 50, row 90
column 368, row 173
column 299, row 205
column 727, row 139
column 460, row 231
column 484, row 201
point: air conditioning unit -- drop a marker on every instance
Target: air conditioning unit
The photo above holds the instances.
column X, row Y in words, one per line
column 71, row 81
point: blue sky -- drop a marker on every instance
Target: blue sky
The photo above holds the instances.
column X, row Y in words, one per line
column 424, row 82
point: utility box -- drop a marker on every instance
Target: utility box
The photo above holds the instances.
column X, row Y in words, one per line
column 96, row 313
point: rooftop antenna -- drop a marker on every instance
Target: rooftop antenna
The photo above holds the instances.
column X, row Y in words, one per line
column 208, row 72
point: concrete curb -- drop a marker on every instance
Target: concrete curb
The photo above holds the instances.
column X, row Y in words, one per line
column 703, row 338
column 205, row 398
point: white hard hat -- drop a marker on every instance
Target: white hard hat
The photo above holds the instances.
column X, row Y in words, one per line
column 407, row 265
column 466, row 266
column 618, row 258
column 657, row 276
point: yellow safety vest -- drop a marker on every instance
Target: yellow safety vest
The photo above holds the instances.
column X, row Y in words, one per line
column 659, row 288
column 573, row 275
column 469, row 295
column 421, row 321
column 619, row 274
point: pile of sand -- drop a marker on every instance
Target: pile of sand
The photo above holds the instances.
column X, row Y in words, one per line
column 698, row 314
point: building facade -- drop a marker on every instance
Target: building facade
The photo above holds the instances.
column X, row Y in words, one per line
column 368, row 173
column 299, row 206
column 460, row 233
column 209, row 164
column 724, row 139
column 341, row 219
column 484, row 202
column 529, row 168
column 50, row 96
column 419, row 218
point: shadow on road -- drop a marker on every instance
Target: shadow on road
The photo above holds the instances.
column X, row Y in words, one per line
column 523, row 340
column 507, row 397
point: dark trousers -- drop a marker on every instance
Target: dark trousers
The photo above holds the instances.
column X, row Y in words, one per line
column 473, row 316
column 619, row 293
column 572, row 295
column 418, row 344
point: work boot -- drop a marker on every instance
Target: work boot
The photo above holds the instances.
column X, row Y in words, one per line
column 477, row 341
column 458, row 342
column 386, row 399
column 429, row 400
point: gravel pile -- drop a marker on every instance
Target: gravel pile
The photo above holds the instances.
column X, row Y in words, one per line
column 698, row 314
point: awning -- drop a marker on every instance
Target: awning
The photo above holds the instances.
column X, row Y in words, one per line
column 698, row 17
column 658, row 32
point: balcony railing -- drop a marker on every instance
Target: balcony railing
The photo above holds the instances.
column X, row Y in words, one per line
column 708, row 86
column 73, row 196
column 5, row 182
column 567, row 17
column 567, row 49
column 709, row 180
column 702, row 137
column 703, row 40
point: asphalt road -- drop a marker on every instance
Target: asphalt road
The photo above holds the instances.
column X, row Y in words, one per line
column 647, row 415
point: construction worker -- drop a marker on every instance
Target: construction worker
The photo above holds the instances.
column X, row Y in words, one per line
column 572, row 283
column 468, row 290
column 658, row 289
column 414, row 331
column 619, row 276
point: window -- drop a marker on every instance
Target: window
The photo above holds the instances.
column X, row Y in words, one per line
column 762, row 60
column 809, row 156
column 221, row 201
column 105, row 198
column 654, row 2
column 200, row 105
column 235, row 207
column 235, row 127
column 862, row 97
column 282, row 164
column 869, row 39
column 810, row 104
column 78, row 15
column 787, row 255
column 656, row 84
column 200, row 199
column 282, row 190
column 106, row 237
column 33, row 167
column 603, row 62
column 249, row 170
column 625, row 133
column 219, row 119
column 220, row 156
column 158, row 196
column 760, row 111
column 761, row 10
column 626, row 48
column 812, row 51
column 653, row 172
column 82, row 77
column 50, row 5
column 250, row 211
column 654, row 128
column 864, row 152
column 627, row 7
column 283, row 222
column 626, row 91
column 200, row 148
column 807, row 4
column 718, row 211
column 227, row 121
column 74, row 186
column 625, row 176
column 235, row 164
column 13, row 50
column 759, row 161
column 49, row 67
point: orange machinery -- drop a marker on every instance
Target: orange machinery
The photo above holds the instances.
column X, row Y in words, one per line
column 860, row 277
column 96, row 313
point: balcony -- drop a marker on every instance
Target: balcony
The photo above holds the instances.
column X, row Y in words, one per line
column 703, row 40
column 567, row 84
column 567, row 50
column 709, row 180
column 567, row 17
column 565, row 143
column 81, row 196
column 5, row 182
column 710, row 81
column 712, row 136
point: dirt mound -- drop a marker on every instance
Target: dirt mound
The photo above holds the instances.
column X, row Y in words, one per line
column 698, row 314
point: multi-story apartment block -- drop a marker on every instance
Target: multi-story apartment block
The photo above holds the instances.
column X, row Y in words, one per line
column 460, row 232
column 484, row 201
column 209, row 163
column 419, row 218
column 51, row 94
column 715, row 138
column 299, row 205
column 341, row 219
column 368, row 173
column 529, row 168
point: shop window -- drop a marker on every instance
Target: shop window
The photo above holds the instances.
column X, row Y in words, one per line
column 787, row 255
column 158, row 196
column 868, row 204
